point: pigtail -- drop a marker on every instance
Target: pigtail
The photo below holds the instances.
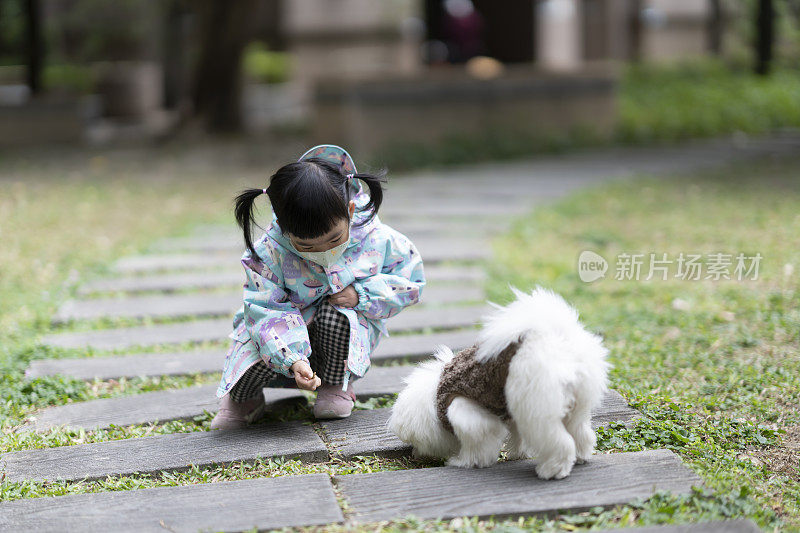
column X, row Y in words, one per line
column 243, row 211
column 373, row 182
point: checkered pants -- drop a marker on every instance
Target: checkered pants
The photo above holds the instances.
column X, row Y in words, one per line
column 329, row 333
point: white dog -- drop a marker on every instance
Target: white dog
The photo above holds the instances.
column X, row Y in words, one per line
column 533, row 378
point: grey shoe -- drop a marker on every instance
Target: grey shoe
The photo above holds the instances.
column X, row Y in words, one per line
column 236, row 415
column 333, row 402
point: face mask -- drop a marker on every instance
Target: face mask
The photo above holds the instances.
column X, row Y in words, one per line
column 328, row 257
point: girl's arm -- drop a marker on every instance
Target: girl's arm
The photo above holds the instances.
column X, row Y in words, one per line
column 398, row 285
column 275, row 325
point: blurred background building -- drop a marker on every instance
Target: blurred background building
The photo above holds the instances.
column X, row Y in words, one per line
column 364, row 73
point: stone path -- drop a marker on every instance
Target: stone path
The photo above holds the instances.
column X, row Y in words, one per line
column 184, row 404
column 225, row 304
column 364, row 433
column 512, row 488
column 410, row 347
column 454, row 249
column 234, row 277
column 217, row 330
column 262, row 504
column 449, row 215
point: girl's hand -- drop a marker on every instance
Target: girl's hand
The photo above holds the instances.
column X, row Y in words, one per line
column 347, row 298
column 305, row 378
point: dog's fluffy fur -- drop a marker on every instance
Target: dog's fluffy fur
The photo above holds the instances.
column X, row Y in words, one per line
column 555, row 380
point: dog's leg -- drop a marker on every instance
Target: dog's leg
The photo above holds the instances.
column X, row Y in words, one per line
column 538, row 405
column 579, row 425
column 479, row 432
column 515, row 447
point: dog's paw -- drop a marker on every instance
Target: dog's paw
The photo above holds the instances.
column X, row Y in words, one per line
column 469, row 462
column 554, row 469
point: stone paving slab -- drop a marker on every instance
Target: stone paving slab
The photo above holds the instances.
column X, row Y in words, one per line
column 261, row 504
column 234, row 277
column 512, row 488
column 726, row 526
column 203, row 305
column 218, row 329
column 231, row 240
column 432, row 251
column 174, row 452
column 413, row 347
column 183, row 404
column 365, row 431
column 471, row 206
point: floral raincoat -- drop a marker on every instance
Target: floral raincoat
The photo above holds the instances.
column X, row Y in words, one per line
column 283, row 290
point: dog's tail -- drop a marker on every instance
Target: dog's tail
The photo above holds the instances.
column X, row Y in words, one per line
column 552, row 335
column 414, row 418
column 540, row 312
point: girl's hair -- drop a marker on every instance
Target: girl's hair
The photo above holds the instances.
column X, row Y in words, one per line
column 308, row 197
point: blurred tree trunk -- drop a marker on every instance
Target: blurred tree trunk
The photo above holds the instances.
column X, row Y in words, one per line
column 33, row 48
column 715, row 27
column 225, row 27
column 765, row 36
column 635, row 31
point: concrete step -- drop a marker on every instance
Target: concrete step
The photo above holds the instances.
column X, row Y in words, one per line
column 512, row 488
column 206, row 305
column 412, row 347
column 218, row 329
column 234, row 277
column 363, row 433
column 173, row 452
column 252, row 504
column 432, row 251
column 184, row 404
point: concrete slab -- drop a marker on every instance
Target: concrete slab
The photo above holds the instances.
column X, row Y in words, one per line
column 413, row 347
column 174, row 452
column 435, row 250
column 218, row 329
column 234, row 277
column 512, row 488
column 225, row 506
column 223, row 304
column 183, row 404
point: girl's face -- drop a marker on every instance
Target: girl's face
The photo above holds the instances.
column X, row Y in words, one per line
column 336, row 236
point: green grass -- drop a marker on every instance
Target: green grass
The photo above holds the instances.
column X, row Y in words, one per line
column 718, row 379
column 62, row 219
column 703, row 99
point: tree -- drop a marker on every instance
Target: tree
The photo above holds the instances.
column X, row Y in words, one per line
column 33, row 48
column 765, row 36
column 225, row 27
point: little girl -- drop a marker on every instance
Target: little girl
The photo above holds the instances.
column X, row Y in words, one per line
column 321, row 282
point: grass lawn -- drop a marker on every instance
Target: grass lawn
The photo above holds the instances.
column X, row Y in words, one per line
column 712, row 364
column 715, row 365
